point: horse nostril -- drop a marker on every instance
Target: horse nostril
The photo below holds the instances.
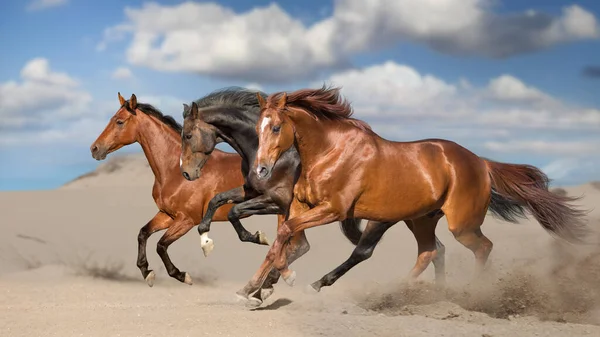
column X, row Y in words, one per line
column 186, row 175
column 94, row 149
column 262, row 171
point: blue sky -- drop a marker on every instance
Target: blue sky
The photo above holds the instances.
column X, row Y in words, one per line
column 502, row 78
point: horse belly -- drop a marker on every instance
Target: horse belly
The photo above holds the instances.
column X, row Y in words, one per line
column 396, row 201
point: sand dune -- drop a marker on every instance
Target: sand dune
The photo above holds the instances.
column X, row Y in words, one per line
column 68, row 269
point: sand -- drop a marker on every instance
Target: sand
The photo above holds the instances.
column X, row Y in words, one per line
column 68, row 260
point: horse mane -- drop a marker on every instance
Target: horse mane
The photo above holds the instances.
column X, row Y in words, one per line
column 324, row 103
column 231, row 97
column 154, row 112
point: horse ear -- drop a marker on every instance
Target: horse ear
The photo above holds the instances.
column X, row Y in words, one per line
column 121, row 99
column 282, row 101
column 133, row 102
column 261, row 101
column 194, row 111
column 185, row 107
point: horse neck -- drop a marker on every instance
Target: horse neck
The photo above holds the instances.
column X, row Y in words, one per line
column 237, row 127
column 311, row 137
column 162, row 147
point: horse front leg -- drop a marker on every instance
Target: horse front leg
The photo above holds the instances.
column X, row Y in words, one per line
column 277, row 257
column 235, row 195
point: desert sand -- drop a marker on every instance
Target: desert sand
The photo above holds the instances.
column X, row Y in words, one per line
column 68, row 260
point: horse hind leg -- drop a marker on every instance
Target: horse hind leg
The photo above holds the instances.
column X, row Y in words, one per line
column 158, row 223
column 178, row 229
column 363, row 251
column 466, row 228
column 430, row 248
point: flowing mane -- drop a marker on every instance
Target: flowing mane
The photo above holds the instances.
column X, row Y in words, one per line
column 234, row 97
column 323, row 103
column 154, row 112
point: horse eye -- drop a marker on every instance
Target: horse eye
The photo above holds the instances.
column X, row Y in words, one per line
column 276, row 128
column 188, row 136
column 120, row 122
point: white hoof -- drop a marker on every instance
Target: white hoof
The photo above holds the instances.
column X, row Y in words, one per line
column 150, row 278
column 206, row 244
column 265, row 293
column 290, row 278
column 262, row 238
column 251, row 302
column 188, row 279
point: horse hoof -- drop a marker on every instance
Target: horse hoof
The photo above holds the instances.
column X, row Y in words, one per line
column 289, row 277
column 312, row 289
column 251, row 302
column 262, row 238
column 265, row 293
column 206, row 244
column 150, row 278
column 187, row 279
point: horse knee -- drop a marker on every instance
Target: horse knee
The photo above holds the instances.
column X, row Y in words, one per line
column 233, row 215
column 270, row 256
column 284, row 232
column 142, row 235
column 362, row 254
column 161, row 248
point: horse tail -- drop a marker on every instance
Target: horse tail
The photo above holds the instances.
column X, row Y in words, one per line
column 351, row 229
column 518, row 187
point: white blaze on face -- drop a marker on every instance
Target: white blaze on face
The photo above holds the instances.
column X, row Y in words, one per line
column 264, row 123
column 180, row 161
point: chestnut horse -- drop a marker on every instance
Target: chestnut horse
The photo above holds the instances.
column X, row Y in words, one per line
column 181, row 203
column 230, row 115
column 350, row 171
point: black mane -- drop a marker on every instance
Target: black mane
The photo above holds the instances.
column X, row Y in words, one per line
column 154, row 112
column 232, row 97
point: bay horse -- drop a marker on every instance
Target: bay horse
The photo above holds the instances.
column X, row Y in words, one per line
column 230, row 115
column 350, row 171
column 181, row 203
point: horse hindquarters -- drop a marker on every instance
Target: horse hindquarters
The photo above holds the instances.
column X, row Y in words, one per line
column 467, row 200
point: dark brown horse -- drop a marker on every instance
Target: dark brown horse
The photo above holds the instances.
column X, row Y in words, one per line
column 350, row 171
column 181, row 203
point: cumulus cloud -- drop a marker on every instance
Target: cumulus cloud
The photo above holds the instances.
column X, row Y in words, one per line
column 511, row 89
column 392, row 85
column 43, row 4
column 42, row 96
column 391, row 91
column 122, row 73
column 267, row 44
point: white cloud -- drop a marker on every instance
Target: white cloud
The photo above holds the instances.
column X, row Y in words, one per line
column 122, row 73
column 254, row 86
column 267, row 44
column 43, row 4
column 393, row 91
column 393, row 85
column 510, row 88
column 42, row 96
